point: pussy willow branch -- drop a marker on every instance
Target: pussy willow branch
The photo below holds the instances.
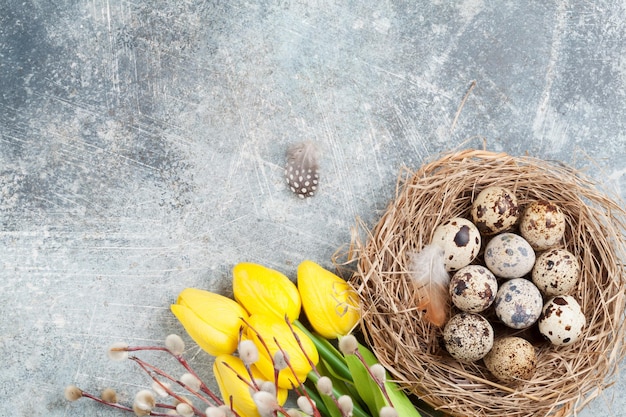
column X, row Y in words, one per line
column 151, row 370
column 181, row 360
column 316, row 412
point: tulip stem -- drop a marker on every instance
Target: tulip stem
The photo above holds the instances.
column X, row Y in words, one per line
column 327, row 351
column 315, row 371
column 319, row 403
column 332, row 357
column 358, row 410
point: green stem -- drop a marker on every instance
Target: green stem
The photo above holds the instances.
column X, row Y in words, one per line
column 342, row 386
column 327, row 351
column 319, row 403
column 357, row 411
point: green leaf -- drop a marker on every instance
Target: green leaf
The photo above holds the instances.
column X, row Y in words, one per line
column 330, row 405
column 368, row 387
column 401, row 401
column 341, row 387
column 351, row 377
column 319, row 403
column 340, row 368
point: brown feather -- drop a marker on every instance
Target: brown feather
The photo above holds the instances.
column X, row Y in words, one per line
column 431, row 280
column 301, row 170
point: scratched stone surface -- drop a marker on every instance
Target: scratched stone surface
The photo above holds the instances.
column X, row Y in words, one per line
column 142, row 149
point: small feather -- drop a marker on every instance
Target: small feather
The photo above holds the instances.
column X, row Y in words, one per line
column 302, row 169
column 428, row 273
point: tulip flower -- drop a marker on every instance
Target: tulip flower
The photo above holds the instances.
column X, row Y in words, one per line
column 212, row 320
column 232, row 386
column 262, row 290
column 270, row 327
column 329, row 302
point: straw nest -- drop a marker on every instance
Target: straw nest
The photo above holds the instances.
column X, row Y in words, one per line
column 567, row 378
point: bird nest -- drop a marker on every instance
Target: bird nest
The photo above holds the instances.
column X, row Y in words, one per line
column 567, row 377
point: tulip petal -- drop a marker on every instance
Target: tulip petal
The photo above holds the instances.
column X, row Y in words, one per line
column 329, row 302
column 262, row 290
column 211, row 340
column 231, row 386
column 270, row 328
column 222, row 313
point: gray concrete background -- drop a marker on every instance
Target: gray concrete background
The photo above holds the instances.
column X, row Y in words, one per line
column 142, row 146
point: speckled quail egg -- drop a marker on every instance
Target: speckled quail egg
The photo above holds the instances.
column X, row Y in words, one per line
column 562, row 320
column 460, row 240
column 512, row 359
column 473, row 288
column 508, row 255
column 518, row 303
column 542, row 225
column 468, row 337
column 495, row 210
column 556, row 272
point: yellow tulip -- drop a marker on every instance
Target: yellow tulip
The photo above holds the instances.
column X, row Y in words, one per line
column 329, row 302
column 212, row 320
column 270, row 327
column 262, row 290
column 231, row 385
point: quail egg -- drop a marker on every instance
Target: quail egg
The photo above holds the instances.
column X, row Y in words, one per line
column 508, row 255
column 460, row 240
column 556, row 272
column 473, row 288
column 468, row 337
column 562, row 320
column 542, row 225
column 495, row 210
column 518, row 303
column 511, row 359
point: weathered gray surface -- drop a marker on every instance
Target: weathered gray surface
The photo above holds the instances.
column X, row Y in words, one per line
column 142, row 144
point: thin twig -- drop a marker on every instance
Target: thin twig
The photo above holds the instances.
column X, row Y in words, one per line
column 151, row 370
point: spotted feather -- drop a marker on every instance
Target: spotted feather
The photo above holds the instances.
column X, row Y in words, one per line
column 301, row 170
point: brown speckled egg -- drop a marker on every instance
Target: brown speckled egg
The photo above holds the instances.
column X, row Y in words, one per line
column 460, row 240
column 512, row 359
column 495, row 210
column 509, row 256
column 518, row 303
column 473, row 288
column 542, row 225
column 562, row 320
column 556, row 272
column 468, row 337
